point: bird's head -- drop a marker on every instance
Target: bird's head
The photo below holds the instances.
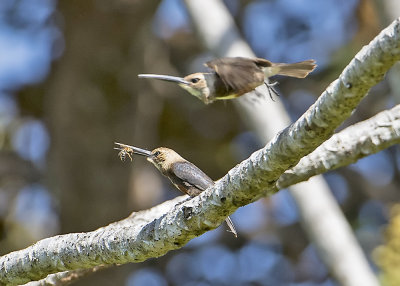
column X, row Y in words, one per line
column 161, row 157
column 196, row 84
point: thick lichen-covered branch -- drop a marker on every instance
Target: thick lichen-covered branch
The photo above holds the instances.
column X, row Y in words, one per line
column 172, row 225
column 346, row 147
column 343, row 148
column 117, row 243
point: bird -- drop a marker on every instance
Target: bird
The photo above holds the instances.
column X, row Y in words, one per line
column 232, row 77
column 184, row 175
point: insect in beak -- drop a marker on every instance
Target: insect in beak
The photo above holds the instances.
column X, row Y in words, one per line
column 127, row 150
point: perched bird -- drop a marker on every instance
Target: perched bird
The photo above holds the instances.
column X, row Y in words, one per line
column 185, row 176
column 233, row 77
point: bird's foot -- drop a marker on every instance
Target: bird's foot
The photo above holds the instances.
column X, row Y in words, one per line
column 271, row 89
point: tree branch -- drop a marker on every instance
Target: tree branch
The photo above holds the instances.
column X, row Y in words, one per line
column 169, row 226
column 65, row 277
column 343, row 148
column 346, row 147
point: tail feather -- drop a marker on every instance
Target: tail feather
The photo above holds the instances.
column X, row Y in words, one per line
column 299, row 70
column 231, row 226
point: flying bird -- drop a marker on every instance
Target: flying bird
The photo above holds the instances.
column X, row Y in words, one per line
column 233, row 77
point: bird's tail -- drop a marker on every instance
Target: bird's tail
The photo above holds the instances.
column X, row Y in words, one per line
column 231, row 226
column 299, row 70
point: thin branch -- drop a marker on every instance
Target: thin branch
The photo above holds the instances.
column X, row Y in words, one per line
column 255, row 177
column 66, row 277
column 348, row 146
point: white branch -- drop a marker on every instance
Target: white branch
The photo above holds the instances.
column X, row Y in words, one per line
column 65, row 277
column 348, row 146
column 170, row 225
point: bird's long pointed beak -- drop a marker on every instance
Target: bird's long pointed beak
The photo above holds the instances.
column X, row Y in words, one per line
column 135, row 150
column 165, row 77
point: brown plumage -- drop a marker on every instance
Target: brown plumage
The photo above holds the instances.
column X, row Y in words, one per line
column 233, row 77
column 242, row 75
column 184, row 175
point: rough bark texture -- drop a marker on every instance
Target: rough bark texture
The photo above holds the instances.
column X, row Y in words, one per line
column 348, row 146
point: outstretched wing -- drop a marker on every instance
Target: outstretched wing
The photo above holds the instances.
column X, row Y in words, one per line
column 191, row 176
column 239, row 74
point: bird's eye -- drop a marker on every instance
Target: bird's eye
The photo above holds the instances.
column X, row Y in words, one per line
column 195, row 80
column 156, row 153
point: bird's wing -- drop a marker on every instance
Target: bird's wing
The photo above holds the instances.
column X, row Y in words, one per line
column 191, row 175
column 239, row 74
column 262, row 62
